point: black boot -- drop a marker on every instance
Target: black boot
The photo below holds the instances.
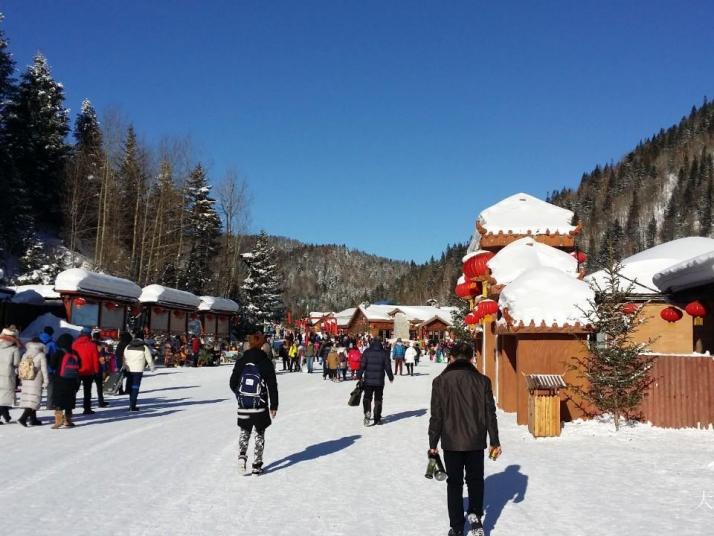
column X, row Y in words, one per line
column 34, row 421
column 23, row 418
column 6, row 414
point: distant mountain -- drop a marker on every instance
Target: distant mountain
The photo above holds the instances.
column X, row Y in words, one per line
column 661, row 190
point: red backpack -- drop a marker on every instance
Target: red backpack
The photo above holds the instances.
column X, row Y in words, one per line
column 69, row 369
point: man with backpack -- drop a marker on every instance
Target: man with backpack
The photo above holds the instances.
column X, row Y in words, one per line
column 256, row 388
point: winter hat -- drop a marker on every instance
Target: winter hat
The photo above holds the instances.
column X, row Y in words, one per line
column 7, row 332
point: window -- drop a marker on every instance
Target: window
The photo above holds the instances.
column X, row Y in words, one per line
column 85, row 315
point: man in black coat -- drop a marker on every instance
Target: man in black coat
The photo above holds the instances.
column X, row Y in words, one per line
column 254, row 398
column 462, row 413
column 373, row 366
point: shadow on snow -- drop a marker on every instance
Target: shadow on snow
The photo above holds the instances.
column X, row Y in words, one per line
column 149, row 408
column 403, row 415
column 313, row 452
column 499, row 490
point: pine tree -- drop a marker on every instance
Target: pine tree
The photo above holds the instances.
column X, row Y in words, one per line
column 615, row 370
column 7, row 92
column 84, row 178
column 40, row 265
column 651, row 238
column 37, row 124
column 263, row 302
column 203, row 228
column 132, row 185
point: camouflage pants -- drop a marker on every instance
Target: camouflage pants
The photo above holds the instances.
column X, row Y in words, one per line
column 259, row 446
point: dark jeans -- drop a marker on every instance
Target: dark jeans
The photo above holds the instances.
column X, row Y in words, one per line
column 50, row 391
column 410, row 369
column 86, row 382
column 399, row 366
column 133, row 382
column 286, row 363
column 99, row 382
column 378, row 392
column 456, row 463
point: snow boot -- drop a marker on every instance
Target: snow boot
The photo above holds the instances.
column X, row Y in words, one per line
column 257, row 469
column 367, row 418
column 242, row 463
column 59, row 417
column 476, row 525
column 454, row 532
column 68, row 422
column 23, row 418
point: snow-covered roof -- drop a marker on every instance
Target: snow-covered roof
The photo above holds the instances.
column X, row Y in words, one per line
column 38, row 325
column 524, row 214
column 693, row 272
column 643, row 266
column 525, row 254
column 86, row 282
column 34, row 294
column 220, row 305
column 169, row 296
column 422, row 313
column 377, row 313
column 343, row 317
column 547, row 296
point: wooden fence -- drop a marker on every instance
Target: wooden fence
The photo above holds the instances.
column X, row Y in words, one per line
column 682, row 395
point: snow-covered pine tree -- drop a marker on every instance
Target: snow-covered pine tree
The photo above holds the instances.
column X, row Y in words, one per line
column 83, row 178
column 202, row 229
column 261, row 290
column 8, row 230
column 37, row 124
column 40, row 265
column 615, row 370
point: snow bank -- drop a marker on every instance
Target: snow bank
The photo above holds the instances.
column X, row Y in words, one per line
column 80, row 280
column 34, row 294
column 642, row 267
column 219, row 305
column 694, row 272
column 521, row 213
column 48, row 319
column 525, row 254
column 168, row 296
column 546, row 295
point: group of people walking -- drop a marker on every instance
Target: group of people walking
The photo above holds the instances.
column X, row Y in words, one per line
column 60, row 368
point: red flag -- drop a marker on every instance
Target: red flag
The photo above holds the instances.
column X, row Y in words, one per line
column 290, row 318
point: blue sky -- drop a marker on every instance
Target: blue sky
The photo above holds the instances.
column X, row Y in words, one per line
column 384, row 125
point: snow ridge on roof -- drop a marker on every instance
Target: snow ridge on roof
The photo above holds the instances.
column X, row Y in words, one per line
column 523, row 214
column 81, row 280
column 643, row 266
column 168, row 296
column 693, row 272
column 219, row 305
column 34, row 294
column 547, row 296
column 525, row 254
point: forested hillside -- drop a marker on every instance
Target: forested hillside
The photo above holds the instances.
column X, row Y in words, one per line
column 660, row 191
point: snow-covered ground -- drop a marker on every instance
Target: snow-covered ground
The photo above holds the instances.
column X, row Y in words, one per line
column 171, row 470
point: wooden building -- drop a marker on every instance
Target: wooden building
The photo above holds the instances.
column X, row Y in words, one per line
column 97, row 300
column 168, row 310
column 216, row 315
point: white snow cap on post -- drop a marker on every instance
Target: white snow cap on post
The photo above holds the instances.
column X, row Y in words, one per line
column 643, row 266
column 547, row 296
column 83, row 281
column 521, row 213
column 169, row 296
column 217, row 305
column 525, row 254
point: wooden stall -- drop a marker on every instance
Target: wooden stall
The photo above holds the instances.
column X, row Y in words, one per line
column 168, row 310
column 216, row 314
column 97, row 300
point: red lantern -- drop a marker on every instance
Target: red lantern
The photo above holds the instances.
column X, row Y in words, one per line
column 178, row 314
column 471, row 319
column 475, row 264
column 466, row 290
column 136, row 310
column 579, row 256
column 194, row 316
column 79, row 302
column 629, row 308
column 487, row 308
column 209, row 317
column 158, row 310
column 697, row 310
column 671, row 314
column 111, row 306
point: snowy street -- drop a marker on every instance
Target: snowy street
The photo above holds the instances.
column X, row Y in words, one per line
column 172, row 469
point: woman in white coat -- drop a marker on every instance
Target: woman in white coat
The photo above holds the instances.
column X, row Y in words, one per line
column 32, row 389
column 410, row 358
column 9, row 361
column 136, row 356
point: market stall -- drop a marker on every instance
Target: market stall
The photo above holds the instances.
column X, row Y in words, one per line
column 215, row 315
column 168, row 310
